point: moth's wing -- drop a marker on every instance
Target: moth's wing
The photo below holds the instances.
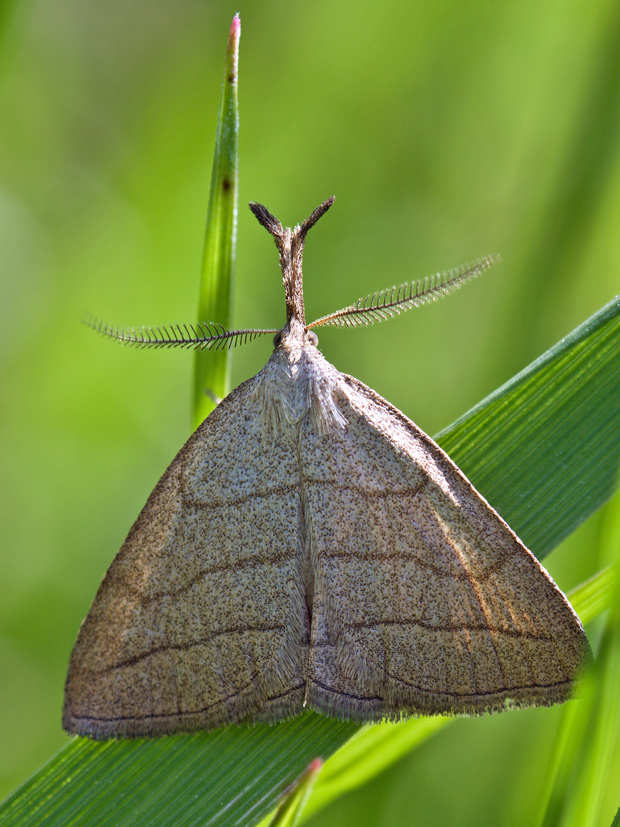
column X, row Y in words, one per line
column 200, row 618
column 425, row 600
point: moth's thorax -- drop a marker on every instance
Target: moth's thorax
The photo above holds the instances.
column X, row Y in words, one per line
column 297, row 382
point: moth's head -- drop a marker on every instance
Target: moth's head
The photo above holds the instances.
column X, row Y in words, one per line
column 290, row 243
column 294, row 335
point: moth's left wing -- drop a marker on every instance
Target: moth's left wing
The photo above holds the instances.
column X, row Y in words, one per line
column 201, row 618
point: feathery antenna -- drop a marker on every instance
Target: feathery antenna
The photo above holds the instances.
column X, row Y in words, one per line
column 290, row 243
column 202, row 336
column 387, row 303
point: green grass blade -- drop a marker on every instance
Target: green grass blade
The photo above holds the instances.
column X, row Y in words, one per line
column 233, row 776
column 215, row 304
column 591, row 598
column 549, row 436
column 583, row 759
column 374, row 748
column 289, row 811
column 369, row 752
column 596, row 751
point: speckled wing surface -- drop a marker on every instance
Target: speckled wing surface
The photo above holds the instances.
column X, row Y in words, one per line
column 199, row 620
column 352, row 570
column 425, row 600
column 310, row 548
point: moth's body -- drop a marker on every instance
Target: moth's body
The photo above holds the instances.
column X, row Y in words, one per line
column 311, row 548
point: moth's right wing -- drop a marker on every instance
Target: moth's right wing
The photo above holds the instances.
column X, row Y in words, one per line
column 425, row 601
column 200, row 619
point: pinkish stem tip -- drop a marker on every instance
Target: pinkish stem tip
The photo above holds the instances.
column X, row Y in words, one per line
column 235, row 28
column 233, row 49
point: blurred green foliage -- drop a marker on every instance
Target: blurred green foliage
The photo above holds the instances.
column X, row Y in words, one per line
column 447, row 131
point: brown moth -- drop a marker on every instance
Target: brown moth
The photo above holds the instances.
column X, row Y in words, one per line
column 311, row 548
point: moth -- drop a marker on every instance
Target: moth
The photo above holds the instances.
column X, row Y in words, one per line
column 311, row 548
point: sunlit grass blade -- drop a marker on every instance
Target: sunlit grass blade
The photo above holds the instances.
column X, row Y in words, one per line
column 583, row 756
column 595, row 595
column 369, row 752
column 235, row 775
column 290, row 809
column 585, row 796
column 215, row 304
column 374, row 748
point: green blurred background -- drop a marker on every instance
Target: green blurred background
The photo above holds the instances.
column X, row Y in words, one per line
column 447, row 130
